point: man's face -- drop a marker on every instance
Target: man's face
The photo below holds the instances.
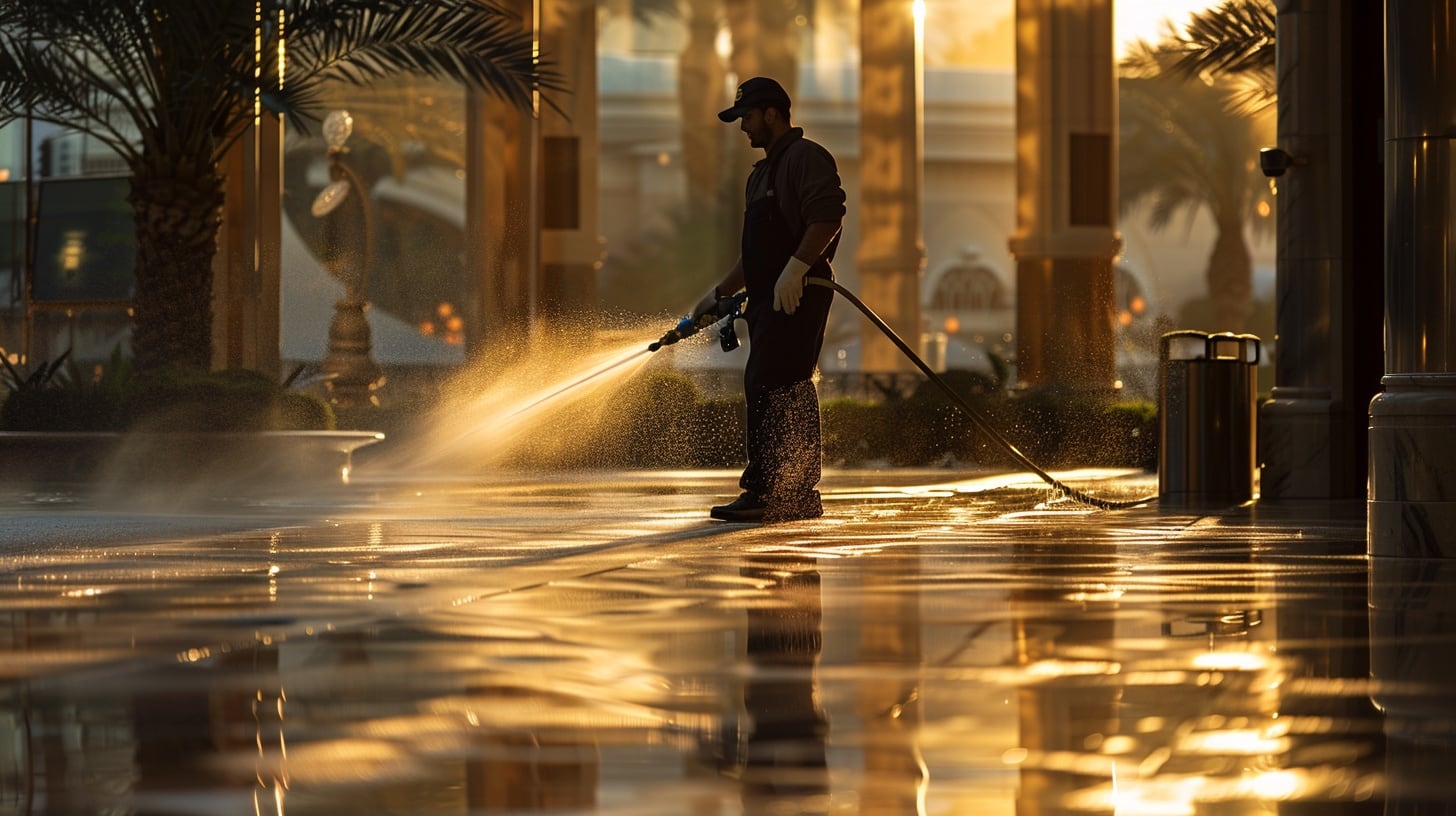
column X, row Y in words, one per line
column 757, row 129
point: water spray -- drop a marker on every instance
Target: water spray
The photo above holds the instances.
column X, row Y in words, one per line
column 730, row 309
column 582, row 380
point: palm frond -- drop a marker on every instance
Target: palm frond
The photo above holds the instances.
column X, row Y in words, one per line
column 1183, row 151
column 60, row 63
column 1233, row 43
column 363, row 41
column 183, row 75
column 646, row 11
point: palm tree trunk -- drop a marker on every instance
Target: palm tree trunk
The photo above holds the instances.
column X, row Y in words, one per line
column 177, row 206
column 1230, row 277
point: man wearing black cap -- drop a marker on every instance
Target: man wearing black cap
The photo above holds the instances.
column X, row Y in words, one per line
column 795, row 207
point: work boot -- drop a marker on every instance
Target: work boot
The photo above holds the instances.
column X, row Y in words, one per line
column 750, row 508
column 747, row 507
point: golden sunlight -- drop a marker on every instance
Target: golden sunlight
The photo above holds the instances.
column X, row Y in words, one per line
column 1149, row 20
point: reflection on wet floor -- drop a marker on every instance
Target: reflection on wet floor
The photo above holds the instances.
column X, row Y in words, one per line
column 970, row 648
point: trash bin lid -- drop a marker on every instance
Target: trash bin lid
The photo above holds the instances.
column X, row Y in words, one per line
column 1186, row 344
column 1242, row 348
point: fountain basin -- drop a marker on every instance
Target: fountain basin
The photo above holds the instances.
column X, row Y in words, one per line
column 263, row 458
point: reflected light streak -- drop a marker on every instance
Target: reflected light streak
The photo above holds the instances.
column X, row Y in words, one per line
column 922, row 785
column 1278, row 785
column 1234, row 742
column 1137, row 803
column 1231, row 661
column 88, row 592
column 1101, row 594
column 1051, row 669
column 1187, row 795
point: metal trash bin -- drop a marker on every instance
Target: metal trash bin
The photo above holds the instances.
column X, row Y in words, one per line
column 1207, row 417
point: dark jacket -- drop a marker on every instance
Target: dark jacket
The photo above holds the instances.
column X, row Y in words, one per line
column 806, row 182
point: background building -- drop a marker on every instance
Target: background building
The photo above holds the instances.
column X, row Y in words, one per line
column 664, row 234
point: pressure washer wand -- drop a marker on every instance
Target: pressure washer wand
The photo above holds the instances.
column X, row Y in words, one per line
column 727, row 308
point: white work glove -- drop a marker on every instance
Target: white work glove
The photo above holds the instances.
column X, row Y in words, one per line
column 790, row 288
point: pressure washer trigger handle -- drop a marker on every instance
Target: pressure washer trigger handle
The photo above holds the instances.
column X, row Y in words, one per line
column 687, row 327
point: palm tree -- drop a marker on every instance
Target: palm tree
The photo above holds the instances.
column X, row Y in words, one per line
column 1197, row 101
column 171, row 85
column 1184, row 148
column 1231, row 42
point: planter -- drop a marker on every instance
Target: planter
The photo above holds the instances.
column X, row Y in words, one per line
column 266, row 459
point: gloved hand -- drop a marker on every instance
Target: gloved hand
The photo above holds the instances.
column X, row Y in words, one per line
column 708, row 305
column 790, row 287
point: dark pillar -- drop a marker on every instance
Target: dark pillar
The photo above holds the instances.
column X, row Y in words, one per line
column 1412, row 507
column 1312, row 432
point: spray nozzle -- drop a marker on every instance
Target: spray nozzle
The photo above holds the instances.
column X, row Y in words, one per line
column 728, row 308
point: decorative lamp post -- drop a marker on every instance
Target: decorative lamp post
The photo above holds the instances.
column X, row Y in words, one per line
column 351, row 373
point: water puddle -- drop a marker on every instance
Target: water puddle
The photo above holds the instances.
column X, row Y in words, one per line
column 918, row 651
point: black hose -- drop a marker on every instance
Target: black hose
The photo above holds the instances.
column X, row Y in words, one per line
column 976, row 416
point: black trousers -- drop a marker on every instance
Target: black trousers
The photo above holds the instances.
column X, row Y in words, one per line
column 784, row 435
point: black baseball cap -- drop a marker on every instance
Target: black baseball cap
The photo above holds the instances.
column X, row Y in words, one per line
column 758, row 92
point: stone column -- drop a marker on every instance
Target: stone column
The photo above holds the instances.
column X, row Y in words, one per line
column 501, row 220
column 1412, row 506
column 246, row 299
column 571, row 249
column 700, row 81
column 1066, row 195
column 765, row 41
column 891, row 253
column 1312, row 433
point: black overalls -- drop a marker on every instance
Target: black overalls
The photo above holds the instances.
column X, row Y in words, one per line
column 783, row 406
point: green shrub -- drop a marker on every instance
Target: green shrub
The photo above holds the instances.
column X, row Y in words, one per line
column 115, row 397
column 854, row 431
column 59, row 396
column 298, row 411
column 1071, row 431
column 660, row 419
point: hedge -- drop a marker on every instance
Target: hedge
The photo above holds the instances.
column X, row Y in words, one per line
column 661, row 419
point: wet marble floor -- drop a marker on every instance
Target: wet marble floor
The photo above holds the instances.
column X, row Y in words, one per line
column 940, row 643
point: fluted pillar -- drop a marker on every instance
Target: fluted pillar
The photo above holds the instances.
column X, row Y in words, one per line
column 1412, row 506
column 891, row 253
column 1066, row 194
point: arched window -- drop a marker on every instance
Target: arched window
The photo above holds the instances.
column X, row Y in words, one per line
column 969, row 289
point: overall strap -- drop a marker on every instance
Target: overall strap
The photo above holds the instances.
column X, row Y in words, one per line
column 773, row 171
